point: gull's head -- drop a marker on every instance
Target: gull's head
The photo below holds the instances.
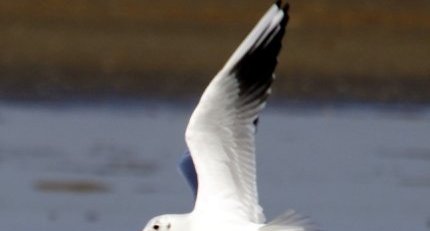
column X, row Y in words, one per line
column 166, row 223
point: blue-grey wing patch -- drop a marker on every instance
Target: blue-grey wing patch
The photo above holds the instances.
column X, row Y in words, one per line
column 188, row 170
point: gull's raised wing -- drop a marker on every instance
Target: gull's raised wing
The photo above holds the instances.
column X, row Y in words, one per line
column 220, row 133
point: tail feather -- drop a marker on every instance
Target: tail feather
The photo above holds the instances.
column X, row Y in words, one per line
column 290, row 221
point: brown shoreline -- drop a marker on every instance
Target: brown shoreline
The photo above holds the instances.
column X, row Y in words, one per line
column 369, row 50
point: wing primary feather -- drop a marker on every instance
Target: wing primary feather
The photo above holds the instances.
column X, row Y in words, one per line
column 221, row 130
column 255, row 69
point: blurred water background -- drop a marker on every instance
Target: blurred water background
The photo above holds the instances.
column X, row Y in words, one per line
column 95, row 97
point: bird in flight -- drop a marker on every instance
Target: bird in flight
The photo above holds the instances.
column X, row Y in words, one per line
column 220, row 163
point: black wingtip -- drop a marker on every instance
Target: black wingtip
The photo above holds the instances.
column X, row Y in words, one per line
column 286, row 7
column 254, row 70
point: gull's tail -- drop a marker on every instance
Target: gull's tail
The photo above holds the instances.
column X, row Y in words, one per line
column 290, row 221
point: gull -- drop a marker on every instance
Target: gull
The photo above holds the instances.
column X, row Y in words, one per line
column 220, row 164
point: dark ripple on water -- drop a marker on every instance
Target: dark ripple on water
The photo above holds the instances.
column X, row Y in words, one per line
column 421, row 154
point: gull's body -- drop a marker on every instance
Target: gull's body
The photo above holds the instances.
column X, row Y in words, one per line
column 220, row 136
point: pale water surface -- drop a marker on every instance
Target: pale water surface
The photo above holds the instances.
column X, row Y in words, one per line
column 98, row 167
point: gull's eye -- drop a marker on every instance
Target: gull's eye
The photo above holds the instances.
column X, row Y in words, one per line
column 156, row 227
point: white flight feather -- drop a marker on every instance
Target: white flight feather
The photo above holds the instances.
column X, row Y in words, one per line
column 220, row 136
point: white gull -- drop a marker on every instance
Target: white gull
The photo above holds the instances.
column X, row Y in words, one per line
column 220, row 165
